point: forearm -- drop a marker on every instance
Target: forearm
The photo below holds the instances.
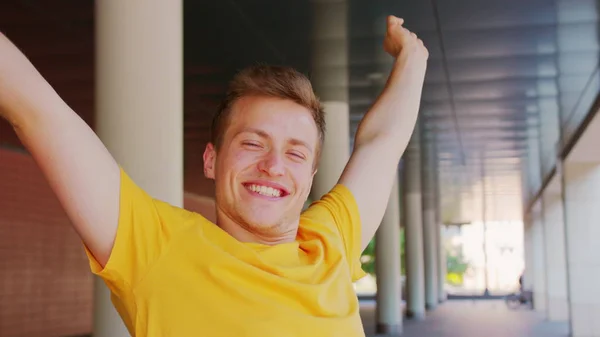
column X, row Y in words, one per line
column 385, row 131
column 24, row 94
column 393, row 115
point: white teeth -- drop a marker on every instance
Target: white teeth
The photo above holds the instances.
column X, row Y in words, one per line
column 264, row 190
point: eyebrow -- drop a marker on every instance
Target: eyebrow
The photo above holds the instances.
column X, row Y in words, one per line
column 263, row 134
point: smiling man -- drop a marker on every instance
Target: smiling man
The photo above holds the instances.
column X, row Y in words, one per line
column 265, row 268
column 266, row 140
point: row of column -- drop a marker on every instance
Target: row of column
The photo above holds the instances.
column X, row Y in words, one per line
column 425, row 257
column 425, row 260
column 561, row 255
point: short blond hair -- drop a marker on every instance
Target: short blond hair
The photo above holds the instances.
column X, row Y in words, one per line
column 272, row 81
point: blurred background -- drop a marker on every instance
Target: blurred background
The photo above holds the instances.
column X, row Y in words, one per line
column 504, row 162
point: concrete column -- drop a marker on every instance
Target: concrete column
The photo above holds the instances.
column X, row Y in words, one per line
column 442, row 264
column 430, row 226
column 538, row 260
column 329, row 77
column 336, row 149
column 413, row 229
column 556, row 264
column 139, row 107
column 528, row 250
column 582, row 192
column 387, row 268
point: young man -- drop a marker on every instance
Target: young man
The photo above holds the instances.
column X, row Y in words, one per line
column 264, row 269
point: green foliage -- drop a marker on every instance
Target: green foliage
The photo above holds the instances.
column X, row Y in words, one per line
column 456, row 263
column 456, row 267
column 368, row 256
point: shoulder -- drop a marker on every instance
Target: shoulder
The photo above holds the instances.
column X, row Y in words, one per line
column 336, row 216
column 339, row 201
column 336, row 211
column 135, row 202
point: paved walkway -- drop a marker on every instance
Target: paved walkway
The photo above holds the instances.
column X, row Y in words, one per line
column 472, row 318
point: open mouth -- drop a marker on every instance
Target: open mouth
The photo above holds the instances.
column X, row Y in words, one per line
column 267, row 191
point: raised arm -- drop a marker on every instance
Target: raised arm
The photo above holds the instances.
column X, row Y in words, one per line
column 385, row 131
column 78, row 167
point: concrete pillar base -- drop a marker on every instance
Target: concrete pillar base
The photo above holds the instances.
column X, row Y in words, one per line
column 388, row 329
column 430, row 306
column 415, row 316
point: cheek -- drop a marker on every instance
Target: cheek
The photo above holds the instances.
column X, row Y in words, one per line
column 242, row 157
column 239, row 161
column 302, row 175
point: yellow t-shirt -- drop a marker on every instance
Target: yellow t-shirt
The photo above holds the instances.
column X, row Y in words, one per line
column 174, row 273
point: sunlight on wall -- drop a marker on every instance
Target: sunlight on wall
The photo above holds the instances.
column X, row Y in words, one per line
column 466, row 260
column 505, row 256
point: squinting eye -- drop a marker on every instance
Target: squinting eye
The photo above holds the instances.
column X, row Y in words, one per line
column 297, row 155
column 251, row 144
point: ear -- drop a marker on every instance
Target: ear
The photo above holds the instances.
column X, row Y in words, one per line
column 210, row 156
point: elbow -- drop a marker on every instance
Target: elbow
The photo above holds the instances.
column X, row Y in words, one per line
column 21, row 126
column 362, row 137
column 365, row 135
column 13, row 111
column 11, row 120
column 15, row 123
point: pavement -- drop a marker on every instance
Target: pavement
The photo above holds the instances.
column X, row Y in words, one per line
column 472, row 318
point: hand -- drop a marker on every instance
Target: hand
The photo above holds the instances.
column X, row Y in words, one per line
column 400, row 42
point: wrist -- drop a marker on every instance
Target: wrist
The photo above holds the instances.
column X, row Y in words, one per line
column 409, row 62
column 408, row 71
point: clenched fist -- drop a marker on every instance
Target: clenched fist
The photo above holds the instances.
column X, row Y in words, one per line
column 401, row 43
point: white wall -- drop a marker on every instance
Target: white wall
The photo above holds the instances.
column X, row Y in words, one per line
column 583, row 245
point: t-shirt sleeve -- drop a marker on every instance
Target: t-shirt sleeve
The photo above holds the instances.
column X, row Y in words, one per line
column 143, row 232
column 339, row 207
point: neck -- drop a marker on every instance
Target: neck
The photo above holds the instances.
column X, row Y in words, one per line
column 244, row 232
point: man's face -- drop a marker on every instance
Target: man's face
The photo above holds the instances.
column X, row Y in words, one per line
column 264, row 167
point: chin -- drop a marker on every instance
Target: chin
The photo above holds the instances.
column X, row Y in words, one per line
column 265, row 223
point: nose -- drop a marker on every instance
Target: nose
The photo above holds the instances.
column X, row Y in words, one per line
column 272, row 164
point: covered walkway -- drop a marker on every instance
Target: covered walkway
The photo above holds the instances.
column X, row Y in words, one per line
column 501, row 180
column 472, row 318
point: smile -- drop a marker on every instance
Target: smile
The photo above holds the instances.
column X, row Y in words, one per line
column 267, row 191
column 264, row 190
